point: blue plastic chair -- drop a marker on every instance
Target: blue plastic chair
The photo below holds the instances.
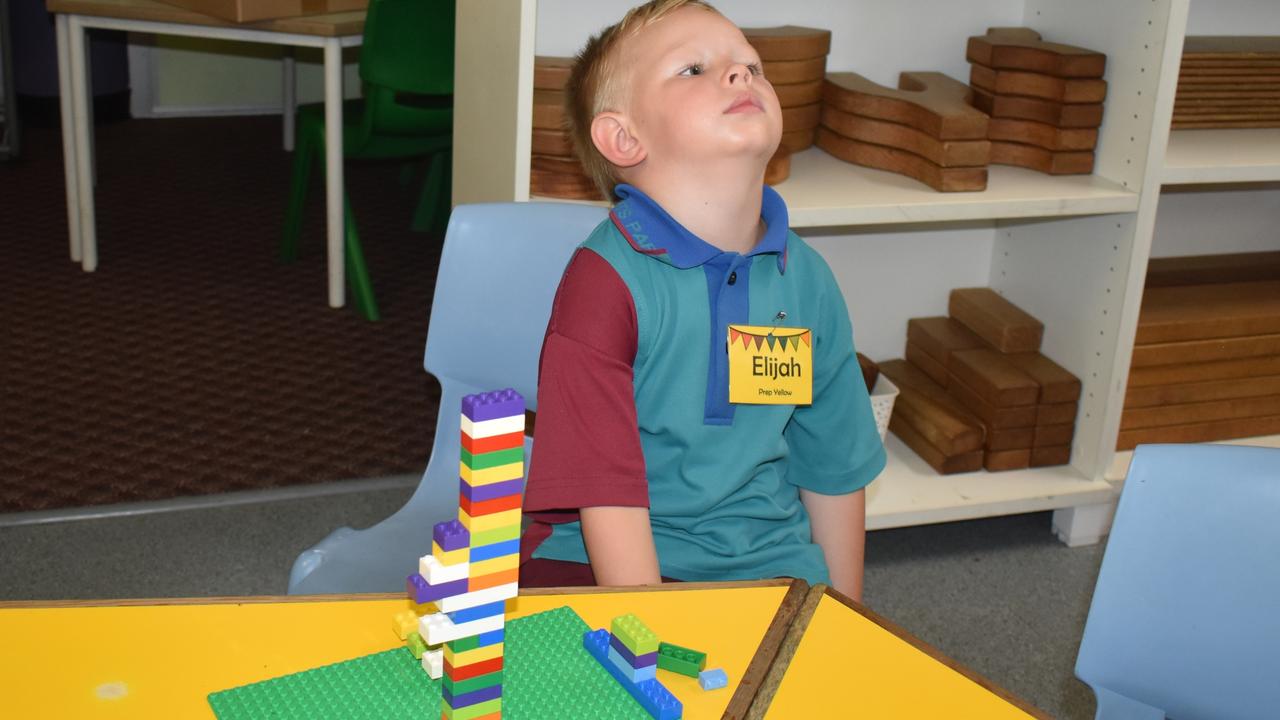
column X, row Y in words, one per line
column 498, row 273
column 1185, row 620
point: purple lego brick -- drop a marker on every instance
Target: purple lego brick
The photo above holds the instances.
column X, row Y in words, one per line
column 475, row 697
column 420, row 591
column 451, row 535
column 635, row 661
column 635, row 674
column 656, row 699
column 491, row 491
column 493, row 405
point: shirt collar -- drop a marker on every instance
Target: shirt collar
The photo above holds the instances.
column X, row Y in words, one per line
column 650, row 230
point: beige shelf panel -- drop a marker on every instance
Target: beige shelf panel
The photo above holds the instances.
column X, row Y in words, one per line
column 1222, row 156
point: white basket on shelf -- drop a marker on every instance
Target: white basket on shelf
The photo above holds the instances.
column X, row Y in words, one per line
column 882, row 397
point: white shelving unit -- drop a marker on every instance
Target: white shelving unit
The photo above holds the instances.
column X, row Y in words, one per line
column 1203, row 157
column 1070, row 250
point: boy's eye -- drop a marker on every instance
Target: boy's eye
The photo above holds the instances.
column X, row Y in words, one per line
column 691, row 70
column 755, row 69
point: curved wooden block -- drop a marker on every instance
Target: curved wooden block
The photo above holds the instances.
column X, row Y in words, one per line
column 783, row 72
column 1037, row 158
column 804, row 117
column 779, row 167
column 930, row 102
column 797, row 140
column 1038, row 85
column 789, row 42
column 552, row 142
column 947, row 153
column 1048, row 137
column 903, row 163
column 1231, row 47
column 548, row 110
column 551, row 73
column 1022, row 49
column 1043, row 111
column 560, row 177
column 796, row 94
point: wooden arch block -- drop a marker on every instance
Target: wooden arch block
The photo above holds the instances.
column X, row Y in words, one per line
column 930, row 102
column 1022, row 49
column 1036, row 110
column 789, row 42
column 1049, row 137
column 551, row 73
column 947, row 153
column 1038, row 85
column 962, row 179
column 548, row 110
column 1045, row 161
column 788, row 72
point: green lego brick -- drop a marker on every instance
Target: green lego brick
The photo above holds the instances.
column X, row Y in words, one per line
column 633, row 633
column 472, row 684
column 464, row 644
column 416, row 645
column 546, row 673
column 482, row 461
column 473, row 711
column 681, row 660
column 488, row 537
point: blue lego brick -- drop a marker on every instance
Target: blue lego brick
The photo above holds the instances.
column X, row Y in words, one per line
column 498, row 549
column 420, row 591
column 492, row 638
column 493, row 405
column 492, row 491
column 636, row 661
column 451, row 535
column 475, row 697
column 634, row 674
column 712, row 679
column 478, row 612
column 651, row 694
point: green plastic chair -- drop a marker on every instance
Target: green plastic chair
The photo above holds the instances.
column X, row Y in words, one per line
column 406, row 65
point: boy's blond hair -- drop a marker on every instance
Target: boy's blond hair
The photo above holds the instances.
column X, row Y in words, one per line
column 593, row 85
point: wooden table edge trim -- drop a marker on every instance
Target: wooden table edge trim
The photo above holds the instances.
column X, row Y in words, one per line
column 795, row 633
column 767, row 653
column 931, row 651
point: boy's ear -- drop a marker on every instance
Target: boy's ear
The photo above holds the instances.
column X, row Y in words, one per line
column 611, row 134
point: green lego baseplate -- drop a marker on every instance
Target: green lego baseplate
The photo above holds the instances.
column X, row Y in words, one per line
column 547, row 673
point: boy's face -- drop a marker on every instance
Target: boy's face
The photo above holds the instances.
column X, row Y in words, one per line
column 695, row 91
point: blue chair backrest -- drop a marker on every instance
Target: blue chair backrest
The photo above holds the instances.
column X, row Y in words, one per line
column 1185, row 620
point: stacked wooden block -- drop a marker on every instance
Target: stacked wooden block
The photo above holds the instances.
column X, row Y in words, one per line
column 975, row 392
column 554, row 169
column 794, row 59
column 1206, row 360
column 924, row 129
column 1044, row 99
column 1228, row 82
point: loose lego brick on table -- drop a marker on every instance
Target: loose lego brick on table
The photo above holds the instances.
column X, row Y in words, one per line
column 879, row 157
column 550, row 72
column 942, row 463
column 712, row 679
column 936, row 371
column 1057, row 384
column 1038, row 85
column 1003, row 325
column 1036, row 110
column 1025, row 50
column 933, row 103
column 1002, row 460
column 656, row 699
column 684, row 661
column 450, row 535
column 1010, row 439
column 1053, row 435
column 944, row 153
column 1140, row 397
column 1056, row 413
column 1197, row 312
column 789, row 42
column 931, row 411
column 995, row 418
column 996, row 380
column 1049, row 137
column 1049, row 162
column 1198, row 351
column 787, row 72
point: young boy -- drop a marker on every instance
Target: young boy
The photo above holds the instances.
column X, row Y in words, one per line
column 641, row 466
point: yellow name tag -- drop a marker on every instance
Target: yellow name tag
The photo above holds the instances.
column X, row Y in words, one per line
column 770, row 365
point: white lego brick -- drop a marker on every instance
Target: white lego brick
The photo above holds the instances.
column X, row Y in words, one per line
column 437, row 572
column 490, row 428
column 478, row 597
column 433, row 663
column 438, row 628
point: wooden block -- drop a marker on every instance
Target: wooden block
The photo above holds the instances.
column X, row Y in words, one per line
column 1041, row 160
column 1200, row 432
column 1192, row 413
column 1056, row 414
column 1053, row 435
column 1050, row 456
column 1194, row 312
column 1001, row 460
column 1192, row 70
column 1193, row 351
column 1225, row 113
column 930, row 411
column 1204, row 372
column 1216, row 124
column 903, row 163
column 786, row 72
column 794, row 94
column 789, row 42
column 931, row 367
column 548, row 110
column 1043, row 111
column 943, row 464
column 940, row 336
column 930, row 102
column 1182, row 104
column 1206, row 269
column 1228, row 117
column 995, row 418
column 1220, row 94
column 870, row 370
column 779, row 167
column 1057, row 384
column 1232, row 47
column 1042, row 135
column 551, row 73
column 555, row 143
column 1140, row 397
column 996, row 381
column 1003, row 325
column 803, row 117
column 946, row 153
column 1023, row 49
column 1233, row 82
column 1010, row 439
column 560, row 177
column 1038, row 85
column 797, row 140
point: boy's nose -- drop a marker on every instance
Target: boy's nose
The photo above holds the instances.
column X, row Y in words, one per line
column 739, row 74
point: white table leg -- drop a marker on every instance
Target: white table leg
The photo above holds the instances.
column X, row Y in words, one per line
column 333, row 168
column 290, row 79
column 65, row 92
column 84, row 161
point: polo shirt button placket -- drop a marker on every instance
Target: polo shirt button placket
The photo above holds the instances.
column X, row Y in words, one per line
column 733, row 277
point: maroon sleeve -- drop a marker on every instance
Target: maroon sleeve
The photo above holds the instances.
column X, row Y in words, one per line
column 586, row 448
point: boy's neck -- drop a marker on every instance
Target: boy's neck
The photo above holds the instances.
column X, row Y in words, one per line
column 722, row 209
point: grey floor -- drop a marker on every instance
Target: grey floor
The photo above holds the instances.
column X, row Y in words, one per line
column 1000, row 595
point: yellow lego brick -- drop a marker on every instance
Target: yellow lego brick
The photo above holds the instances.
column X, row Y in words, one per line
column 498, row 564
column 450, row 557
column 488, row 522
column 470, row 657
column 404, row 623
column 489, row 476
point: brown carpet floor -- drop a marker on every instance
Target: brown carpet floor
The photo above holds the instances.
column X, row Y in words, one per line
column 192, row 361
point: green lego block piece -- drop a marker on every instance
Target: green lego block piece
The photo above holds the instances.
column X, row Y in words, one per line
column 416, row 645
column 546, row 673
column 633, row 633
column 480, row 682
column 488, row 537
column 471, row 712
column 681, row 660
column 482, row 461
column 464, row 644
